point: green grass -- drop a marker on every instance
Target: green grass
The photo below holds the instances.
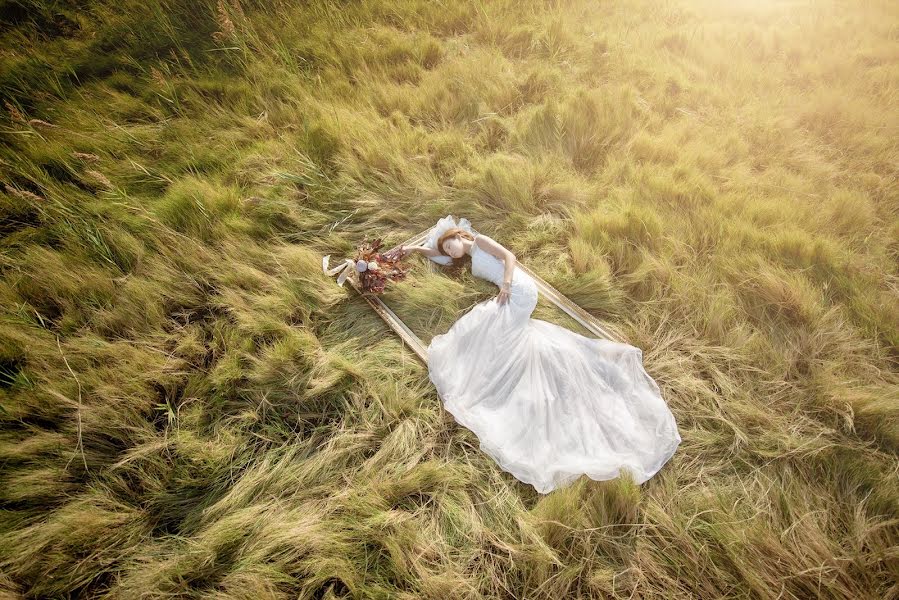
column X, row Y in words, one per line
column 190, row 408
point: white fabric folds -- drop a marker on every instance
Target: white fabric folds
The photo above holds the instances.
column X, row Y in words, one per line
column 546, row 403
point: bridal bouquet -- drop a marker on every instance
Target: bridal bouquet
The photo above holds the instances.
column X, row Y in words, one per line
column 373, row 268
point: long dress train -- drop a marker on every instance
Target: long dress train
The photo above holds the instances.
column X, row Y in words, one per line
column 546, row 403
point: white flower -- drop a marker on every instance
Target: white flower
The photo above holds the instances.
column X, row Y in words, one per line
column 373, row 266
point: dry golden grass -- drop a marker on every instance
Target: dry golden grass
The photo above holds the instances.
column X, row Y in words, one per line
column 191, row 409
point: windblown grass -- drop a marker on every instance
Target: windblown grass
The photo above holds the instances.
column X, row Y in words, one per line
column 191, row 409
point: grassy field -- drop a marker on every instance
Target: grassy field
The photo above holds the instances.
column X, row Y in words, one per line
column 190, row 408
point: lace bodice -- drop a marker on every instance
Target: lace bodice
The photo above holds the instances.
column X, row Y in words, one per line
column 493, row 269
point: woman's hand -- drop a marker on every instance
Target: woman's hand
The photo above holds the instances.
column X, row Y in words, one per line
column 504, row 294
column 400, row 252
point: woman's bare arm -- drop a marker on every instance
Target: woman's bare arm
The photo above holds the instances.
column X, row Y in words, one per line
column 424, row 250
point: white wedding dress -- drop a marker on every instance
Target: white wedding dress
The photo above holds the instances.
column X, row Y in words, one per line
column 546, row 403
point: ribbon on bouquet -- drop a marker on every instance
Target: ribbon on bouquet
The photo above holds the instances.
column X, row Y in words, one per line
column 344, row 268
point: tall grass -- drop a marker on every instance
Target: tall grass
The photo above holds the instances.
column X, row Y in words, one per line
column 191, row 409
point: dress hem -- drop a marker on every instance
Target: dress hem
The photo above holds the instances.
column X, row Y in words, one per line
column 507, row 464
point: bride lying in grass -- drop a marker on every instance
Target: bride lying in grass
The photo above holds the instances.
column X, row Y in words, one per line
column 546, row 403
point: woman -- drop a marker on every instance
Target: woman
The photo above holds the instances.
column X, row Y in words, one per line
column 546, row 403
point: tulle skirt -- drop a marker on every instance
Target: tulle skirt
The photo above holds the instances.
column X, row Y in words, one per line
column 548, row 404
